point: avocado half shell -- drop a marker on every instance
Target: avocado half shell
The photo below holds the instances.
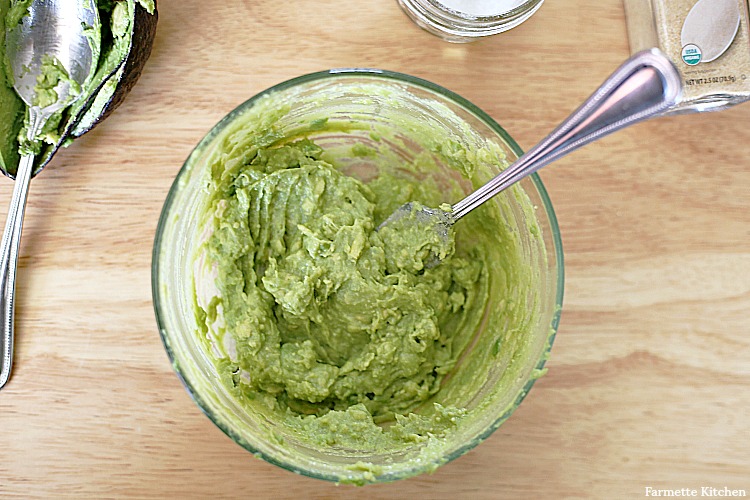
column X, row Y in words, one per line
column 114, row 79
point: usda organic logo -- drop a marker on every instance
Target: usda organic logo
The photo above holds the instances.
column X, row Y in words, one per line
column 691, row 54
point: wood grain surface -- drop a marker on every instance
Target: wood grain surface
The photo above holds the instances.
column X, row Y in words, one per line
column 649, row 379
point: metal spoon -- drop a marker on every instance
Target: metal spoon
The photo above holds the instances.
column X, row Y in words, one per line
column 52, row 30
column 645, row 86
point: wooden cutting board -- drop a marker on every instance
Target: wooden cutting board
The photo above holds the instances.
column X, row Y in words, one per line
column 649, row 380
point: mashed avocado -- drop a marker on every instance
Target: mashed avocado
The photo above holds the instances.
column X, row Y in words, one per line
column 321, row 311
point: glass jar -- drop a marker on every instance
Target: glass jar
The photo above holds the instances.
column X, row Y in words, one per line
column 707, row 40
column 468, row 20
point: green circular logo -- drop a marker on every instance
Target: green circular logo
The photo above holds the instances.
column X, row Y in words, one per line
column 691, row 54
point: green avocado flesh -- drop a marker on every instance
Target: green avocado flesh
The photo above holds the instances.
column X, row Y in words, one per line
column 12, row 109
column 339, row 313
column 111, row 43
column 338, row 332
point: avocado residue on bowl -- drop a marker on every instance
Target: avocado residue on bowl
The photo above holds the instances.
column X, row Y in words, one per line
column 127, row 34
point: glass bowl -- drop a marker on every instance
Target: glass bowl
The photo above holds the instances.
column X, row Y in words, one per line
column 370, row 122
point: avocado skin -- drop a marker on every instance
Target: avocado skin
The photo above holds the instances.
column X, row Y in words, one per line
column 144, row 31
column 140, row 50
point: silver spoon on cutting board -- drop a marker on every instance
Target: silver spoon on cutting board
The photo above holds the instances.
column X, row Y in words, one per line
column 51, row 30
column 646, row 85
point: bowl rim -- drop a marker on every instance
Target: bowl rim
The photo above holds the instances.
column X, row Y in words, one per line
column 556, row 239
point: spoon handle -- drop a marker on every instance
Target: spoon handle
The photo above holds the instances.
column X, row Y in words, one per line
column 645, row 86
column 11, row 243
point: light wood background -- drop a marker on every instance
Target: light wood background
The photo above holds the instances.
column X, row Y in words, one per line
column 649, row 380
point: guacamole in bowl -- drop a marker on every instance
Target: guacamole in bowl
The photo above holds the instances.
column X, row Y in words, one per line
column 325, row 345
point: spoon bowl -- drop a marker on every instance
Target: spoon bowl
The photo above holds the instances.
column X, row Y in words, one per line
column 63, row 31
